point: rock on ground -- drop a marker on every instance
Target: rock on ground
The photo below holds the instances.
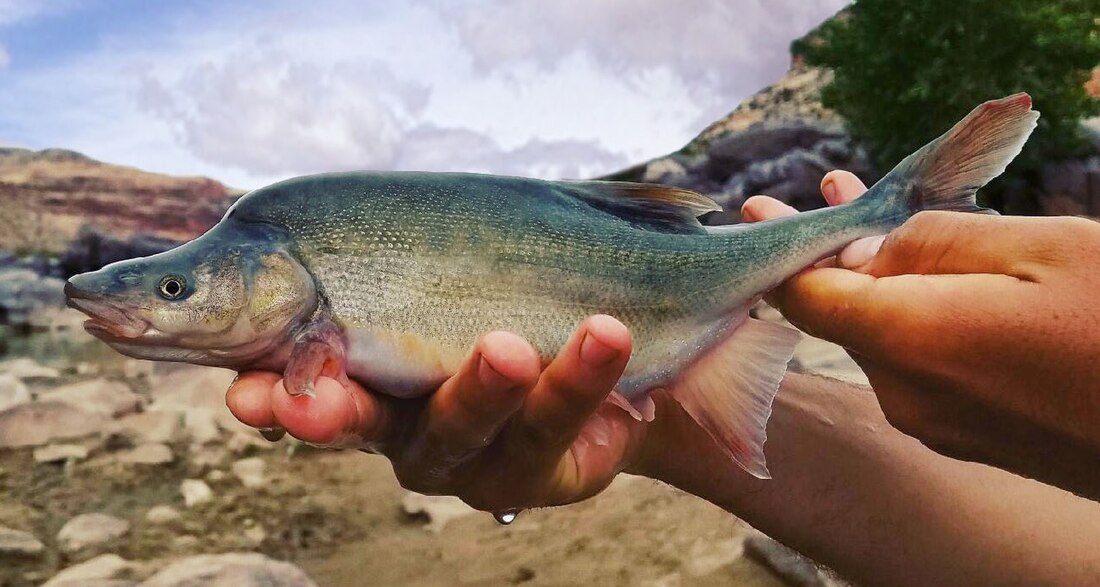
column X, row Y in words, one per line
column 54, row 453
column 101, row 571
column 19, row 543
column 147, row 454
column 40, row 423
column 439, row 510
column 795, row 569
column 162, row 427
column 91, row 532
column 230, row 570
column 251, row 472
column 27, row 368
column 99, row 396
column 162, row 514
column 195, row 492
column 13, row 392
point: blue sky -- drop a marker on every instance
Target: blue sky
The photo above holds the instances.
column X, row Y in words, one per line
column 252, row 92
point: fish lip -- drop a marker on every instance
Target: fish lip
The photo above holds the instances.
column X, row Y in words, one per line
column 105, row 320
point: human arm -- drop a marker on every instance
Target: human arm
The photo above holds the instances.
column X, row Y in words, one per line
column 980, row 334
column 847, row 489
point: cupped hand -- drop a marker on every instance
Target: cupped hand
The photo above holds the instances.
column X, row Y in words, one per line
column 503, row 433
column 980, row 334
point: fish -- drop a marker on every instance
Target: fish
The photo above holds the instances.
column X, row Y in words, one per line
column 389, row 278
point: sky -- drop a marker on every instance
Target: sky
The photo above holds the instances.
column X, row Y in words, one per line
column 250, row 92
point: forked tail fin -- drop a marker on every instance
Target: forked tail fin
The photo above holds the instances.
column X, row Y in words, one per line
column 946, row 173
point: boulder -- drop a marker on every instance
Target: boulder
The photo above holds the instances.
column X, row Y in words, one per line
column 12, row 391
column 23, row 293
column 16, row 543
column 39, row 423
column 91, row 534
column 100, row 396
column 230, row 570
column 1071, row 187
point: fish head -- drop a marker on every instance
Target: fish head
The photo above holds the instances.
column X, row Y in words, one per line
column 212, row 301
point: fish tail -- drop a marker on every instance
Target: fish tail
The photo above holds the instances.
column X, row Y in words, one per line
column 946, row 173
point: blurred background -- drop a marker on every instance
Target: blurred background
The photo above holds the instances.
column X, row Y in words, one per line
column 127, row 127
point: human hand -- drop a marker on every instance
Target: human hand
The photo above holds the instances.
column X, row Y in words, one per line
column 980, row 334
column 501, row 434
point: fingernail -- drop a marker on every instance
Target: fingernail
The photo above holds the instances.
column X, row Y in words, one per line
column 596, row 353
column 490, row 377
column 830, row 192
column 272, row 434
column 860, row 252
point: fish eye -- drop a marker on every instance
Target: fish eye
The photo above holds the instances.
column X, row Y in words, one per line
column 172, row 287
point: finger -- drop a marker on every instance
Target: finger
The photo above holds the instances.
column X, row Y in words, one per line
column 335, row 416
column 859, row 254
column 879, row 316
column 759, row 208
column 937, row 242
column 469, row 409
column 249, row 398
column 841, row 187
column 574, row 385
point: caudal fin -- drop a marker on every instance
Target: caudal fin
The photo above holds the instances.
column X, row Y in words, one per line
column 946, row 173
column 729, row 390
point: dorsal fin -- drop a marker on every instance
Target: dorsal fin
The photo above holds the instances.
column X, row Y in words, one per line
column 654, row 207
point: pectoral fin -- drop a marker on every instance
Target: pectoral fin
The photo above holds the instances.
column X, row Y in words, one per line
column 729, row 389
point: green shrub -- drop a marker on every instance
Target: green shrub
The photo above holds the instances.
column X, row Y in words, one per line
column 906, row 70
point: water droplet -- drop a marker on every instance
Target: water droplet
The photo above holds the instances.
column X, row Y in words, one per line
column 506, row 517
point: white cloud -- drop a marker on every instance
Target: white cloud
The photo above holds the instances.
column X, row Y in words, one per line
column 5, row 57
column 714, row 46
column 254, row 93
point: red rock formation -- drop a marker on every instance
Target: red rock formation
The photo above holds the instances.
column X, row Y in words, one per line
column 47, row 196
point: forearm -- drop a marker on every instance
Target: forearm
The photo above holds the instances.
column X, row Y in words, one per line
column 878, row 507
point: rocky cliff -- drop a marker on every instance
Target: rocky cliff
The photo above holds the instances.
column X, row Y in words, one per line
column 781, row 142
column 47, row 197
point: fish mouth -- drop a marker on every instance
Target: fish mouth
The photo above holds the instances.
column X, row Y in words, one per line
column 105, row 320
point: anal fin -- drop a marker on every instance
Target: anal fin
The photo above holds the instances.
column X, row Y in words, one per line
column 729, row 389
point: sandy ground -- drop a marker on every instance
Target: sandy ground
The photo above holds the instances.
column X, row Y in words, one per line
column 338, row 516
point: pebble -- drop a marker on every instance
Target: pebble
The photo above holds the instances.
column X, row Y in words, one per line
column 104, row 569
column 147, row 454
column 90, row 532
column 97, row 396
column 19, row 543
column 55, row 453
column 251, row 472
column 438, row 509
column 12, row 392
column 162, row 514
column 39, row 423
column 236, row 569
column 201, row 426
column 26, row 368
column 195, row 492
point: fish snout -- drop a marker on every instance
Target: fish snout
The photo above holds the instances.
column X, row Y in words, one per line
column 91, row 294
